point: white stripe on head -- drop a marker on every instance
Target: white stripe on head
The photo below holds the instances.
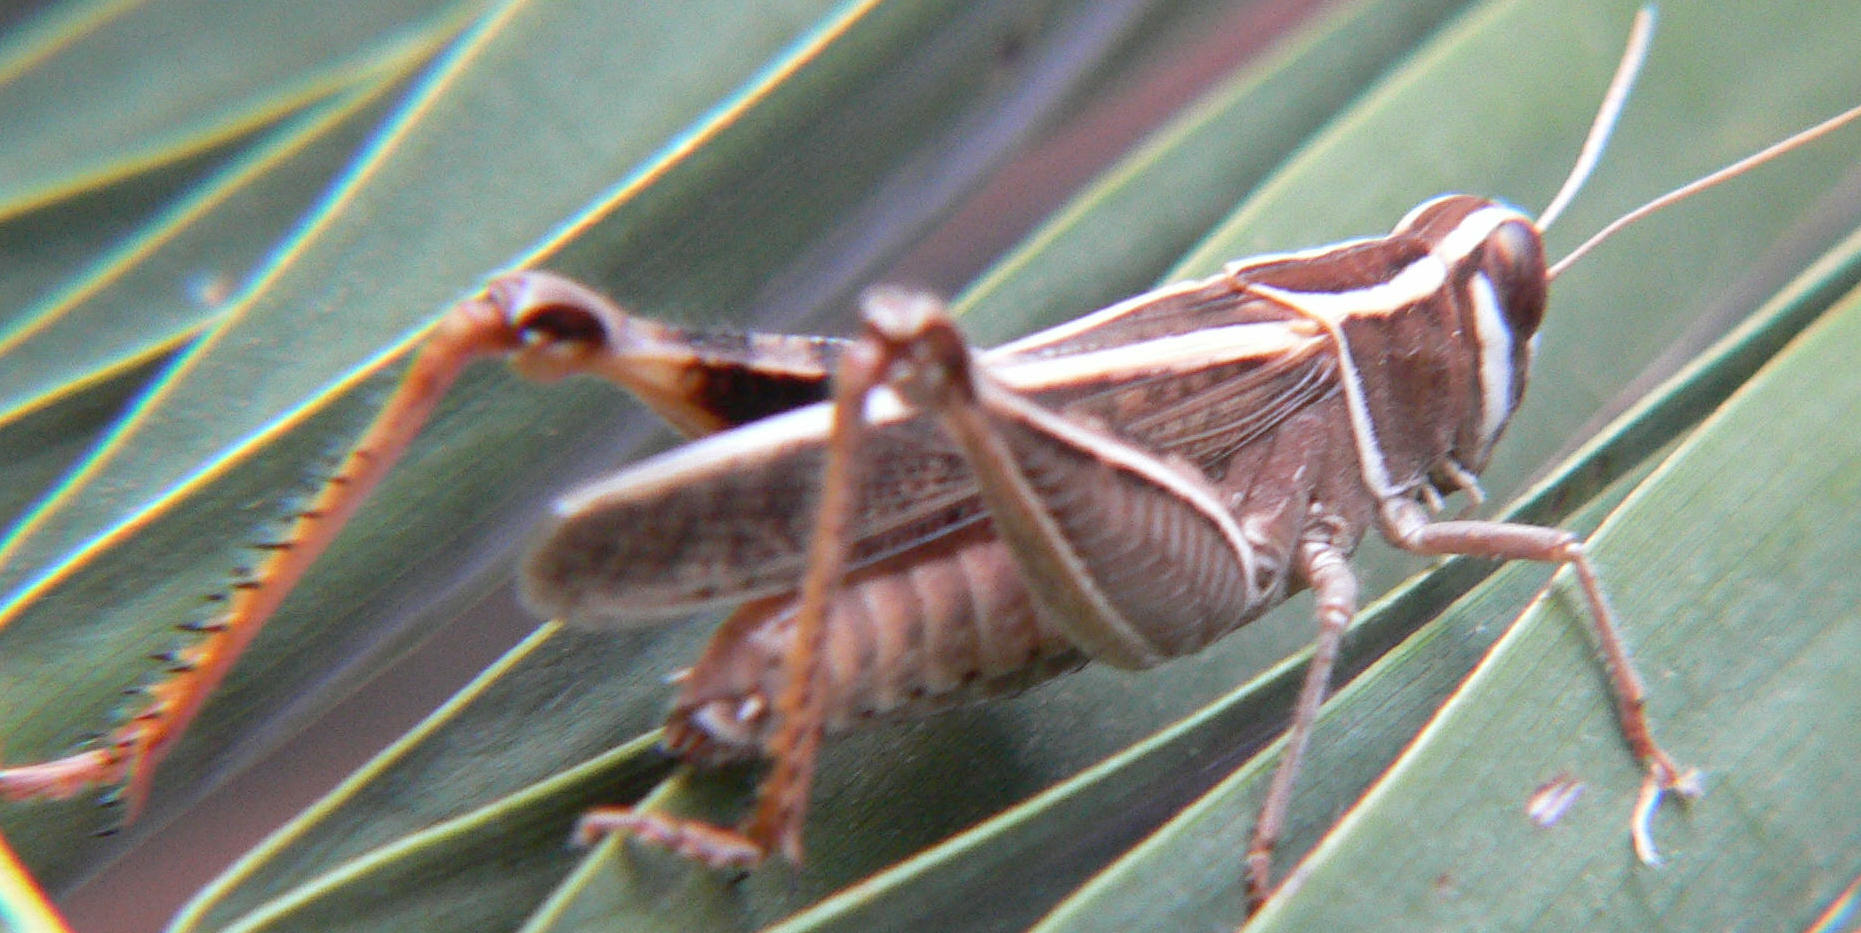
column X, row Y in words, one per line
column 1496, row 345
column 1418, row 280
column 1473, row 230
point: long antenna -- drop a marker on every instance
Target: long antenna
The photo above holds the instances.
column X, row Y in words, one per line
column 1701, row 184
column 1625, row 71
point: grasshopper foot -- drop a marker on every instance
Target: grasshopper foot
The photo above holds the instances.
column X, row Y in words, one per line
column 702, row 842
column 1664, row 777
column 1259, row 866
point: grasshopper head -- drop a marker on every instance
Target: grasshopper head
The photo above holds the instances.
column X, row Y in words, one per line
column 1495, row 288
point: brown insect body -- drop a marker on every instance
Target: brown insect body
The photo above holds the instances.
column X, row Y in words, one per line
column 936, row 611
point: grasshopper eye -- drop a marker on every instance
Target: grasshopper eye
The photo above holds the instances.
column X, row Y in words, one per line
column 1516, row 243
column 1513, row 262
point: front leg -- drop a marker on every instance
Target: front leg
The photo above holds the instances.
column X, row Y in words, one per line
column 1409, row 528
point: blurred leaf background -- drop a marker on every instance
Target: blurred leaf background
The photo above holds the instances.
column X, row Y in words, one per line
column 222, row 226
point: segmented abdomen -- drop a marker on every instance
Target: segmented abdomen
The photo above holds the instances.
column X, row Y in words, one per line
column 920, row 634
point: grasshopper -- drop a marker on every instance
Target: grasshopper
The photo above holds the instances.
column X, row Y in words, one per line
column 906, row 523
